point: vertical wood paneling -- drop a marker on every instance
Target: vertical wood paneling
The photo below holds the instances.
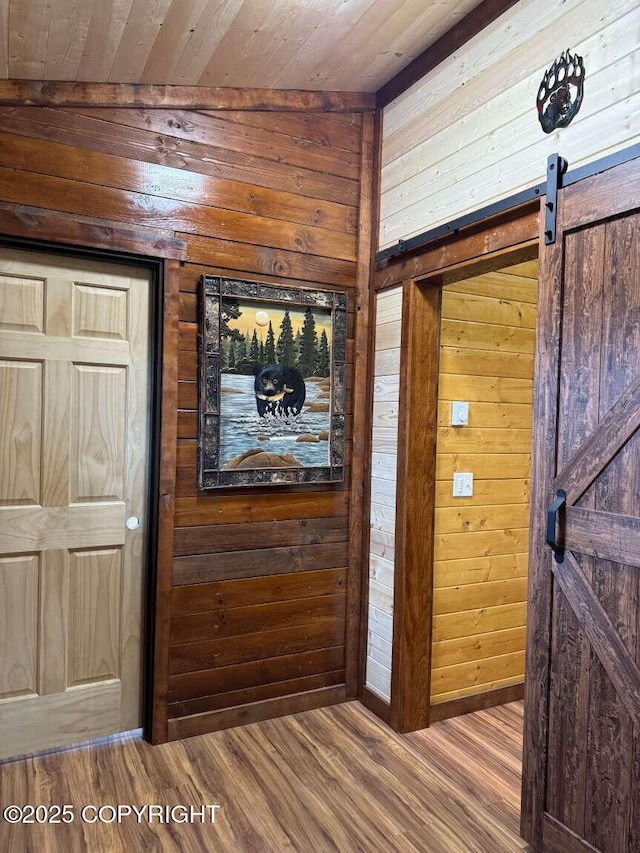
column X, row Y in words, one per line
column 386, row 394
column 266, row 219
column 467, row 134
column 488, row 323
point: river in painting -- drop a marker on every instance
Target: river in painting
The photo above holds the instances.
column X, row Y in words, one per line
column 242, row 429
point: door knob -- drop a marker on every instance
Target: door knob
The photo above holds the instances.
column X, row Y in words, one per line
column 133, row 522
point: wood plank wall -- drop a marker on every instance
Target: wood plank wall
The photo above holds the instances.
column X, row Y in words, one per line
column 259, row 608
column 467, row 134
column 480, row 574
column 384, row 449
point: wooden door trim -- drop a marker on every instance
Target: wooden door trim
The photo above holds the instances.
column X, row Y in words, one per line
column 488, row 248
column 486, row 243
column 415, row 502
column 45, row 230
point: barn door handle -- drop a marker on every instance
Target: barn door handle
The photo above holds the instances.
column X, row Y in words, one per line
column 552, row 518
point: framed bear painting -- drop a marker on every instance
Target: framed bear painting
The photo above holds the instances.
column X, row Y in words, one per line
column 272, row 384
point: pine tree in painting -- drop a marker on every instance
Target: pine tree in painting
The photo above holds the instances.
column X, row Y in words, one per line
column 324, row 357
column 308, row 345
column 254, row 348
column 231, row 355
column 270, row 347
column 285, row 350
column 242, row 348
column 261, row 358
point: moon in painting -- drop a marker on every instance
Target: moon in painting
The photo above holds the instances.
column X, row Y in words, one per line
column 262, row 318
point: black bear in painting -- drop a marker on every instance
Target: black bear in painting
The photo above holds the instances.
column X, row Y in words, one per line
column 279, row 390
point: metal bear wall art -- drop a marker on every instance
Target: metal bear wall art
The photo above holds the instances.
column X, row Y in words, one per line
column 561, row 92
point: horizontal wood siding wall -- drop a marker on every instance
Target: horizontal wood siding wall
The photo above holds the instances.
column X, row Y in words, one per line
column 467, row 134
column 480, row 573
column 384, row 450
column 259, row 575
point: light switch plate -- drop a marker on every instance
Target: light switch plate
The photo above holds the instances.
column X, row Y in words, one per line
column 459, row 413
column 463, row 485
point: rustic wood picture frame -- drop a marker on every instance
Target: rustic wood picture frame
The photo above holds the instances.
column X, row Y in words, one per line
column 212, row 292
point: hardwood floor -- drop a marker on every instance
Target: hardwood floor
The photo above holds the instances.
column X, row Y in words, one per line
column 333, row 779
column 481, row 754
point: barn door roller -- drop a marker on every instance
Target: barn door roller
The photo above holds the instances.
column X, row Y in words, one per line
column 556, row 167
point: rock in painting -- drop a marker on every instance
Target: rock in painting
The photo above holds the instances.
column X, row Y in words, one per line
column 320, row 406
column 258, row 458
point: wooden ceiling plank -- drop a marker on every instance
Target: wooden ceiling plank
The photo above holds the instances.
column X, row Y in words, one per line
column 235, row 46
column 342, row 17
column 180, row 22
column 141, row 30
column 404, row 38
column 106, row 27
column 371, row 33
column 274, row 45
column 290, row 44
column 68, row 30
column 479, row 18
column 28, row 32
column 208, row 32
column 311, row 18
column 141, row 96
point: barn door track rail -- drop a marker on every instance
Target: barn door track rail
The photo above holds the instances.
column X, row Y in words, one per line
column 557, row 177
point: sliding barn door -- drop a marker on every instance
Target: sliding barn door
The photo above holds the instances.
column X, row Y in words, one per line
column 74, row 403
column 581, row 786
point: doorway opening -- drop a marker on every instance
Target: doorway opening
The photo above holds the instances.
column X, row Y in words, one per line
column 79, row 337
column 481, row 516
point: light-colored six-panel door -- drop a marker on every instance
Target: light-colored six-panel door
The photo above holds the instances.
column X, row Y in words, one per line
column 74, row 427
